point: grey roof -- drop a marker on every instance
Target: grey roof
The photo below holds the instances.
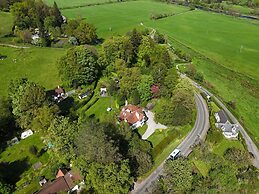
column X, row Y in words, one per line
column 228, row 127
column 222, row 116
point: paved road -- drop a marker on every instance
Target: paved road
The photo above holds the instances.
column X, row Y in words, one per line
column 151, row 125
column 199, row 131
column 249, row 142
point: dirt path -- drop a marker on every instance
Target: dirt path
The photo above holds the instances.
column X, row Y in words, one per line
column 14, row 46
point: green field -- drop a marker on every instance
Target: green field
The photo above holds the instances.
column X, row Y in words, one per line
column 37, row 64
column 69, row 3
column 230, row 43
column 120, row 17
column 6, row 23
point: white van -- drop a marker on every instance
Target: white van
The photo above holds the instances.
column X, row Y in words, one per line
column 175, row 154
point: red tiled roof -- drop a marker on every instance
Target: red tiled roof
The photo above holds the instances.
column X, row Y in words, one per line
column 61, row 172
column 131, row 114
column 65, row 181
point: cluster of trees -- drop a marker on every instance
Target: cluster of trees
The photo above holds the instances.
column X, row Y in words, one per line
column 138, row 62
column 31, row 107
column 232, row 174
column 79, row 66
column 31, row 14
column 108, row 156
column 178, row 109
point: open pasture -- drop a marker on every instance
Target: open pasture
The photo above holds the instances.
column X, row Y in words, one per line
column 37, row 64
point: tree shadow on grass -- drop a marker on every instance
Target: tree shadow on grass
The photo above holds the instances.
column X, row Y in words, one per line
column 11, row 172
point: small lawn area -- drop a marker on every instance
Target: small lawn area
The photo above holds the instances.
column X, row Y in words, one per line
column 225, row 144
column 158, row 137
column 99, row 109
column 202, row 166
column 142, row 130
column 16, row 163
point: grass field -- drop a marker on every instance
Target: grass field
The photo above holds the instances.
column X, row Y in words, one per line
column 120, row 17
column 6, row 23
column 37, row 64
column 231, row 44
column 69, row 3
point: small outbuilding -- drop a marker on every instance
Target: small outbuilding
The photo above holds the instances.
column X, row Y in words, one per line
column 85, row 94
column 59, row 94
column 103, row 92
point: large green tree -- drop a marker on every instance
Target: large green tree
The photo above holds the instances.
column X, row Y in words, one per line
column 118, row 48
column 26, row 97
column 129, row 80
column 183, row 100
column 144, row 87
column 177, row 176
column 79, row 66
column 61, row 135
column 237, row 157
column 5, row 188
column 44, row 117
column 93, row 145
column 223, row 178
column 140, row 155
column 5, row 113
column 111, row 178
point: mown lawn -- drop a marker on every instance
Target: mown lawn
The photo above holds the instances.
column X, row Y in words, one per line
column 6, row 23
column 142, row 130
column 99, row 109
column 37, row 64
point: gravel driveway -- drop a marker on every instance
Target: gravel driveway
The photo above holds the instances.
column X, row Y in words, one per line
column 152, row 125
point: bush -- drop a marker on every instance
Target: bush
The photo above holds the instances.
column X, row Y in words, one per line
column 33, row 150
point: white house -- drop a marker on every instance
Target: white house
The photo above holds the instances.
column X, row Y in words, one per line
column 229, row 130
column 133, row 115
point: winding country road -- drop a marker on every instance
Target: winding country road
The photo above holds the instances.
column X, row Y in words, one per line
column 249, row 142
column 198, row 132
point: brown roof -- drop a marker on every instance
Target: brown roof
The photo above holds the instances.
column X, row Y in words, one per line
column 61, row 172
column 58, row 185
column 61, row 183
column 131, row 114
column 59, row 90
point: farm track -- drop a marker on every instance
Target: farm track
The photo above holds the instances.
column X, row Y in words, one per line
column 14, row 46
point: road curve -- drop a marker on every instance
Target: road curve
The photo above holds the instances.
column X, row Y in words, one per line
column 198, row 132
column 251, row 147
